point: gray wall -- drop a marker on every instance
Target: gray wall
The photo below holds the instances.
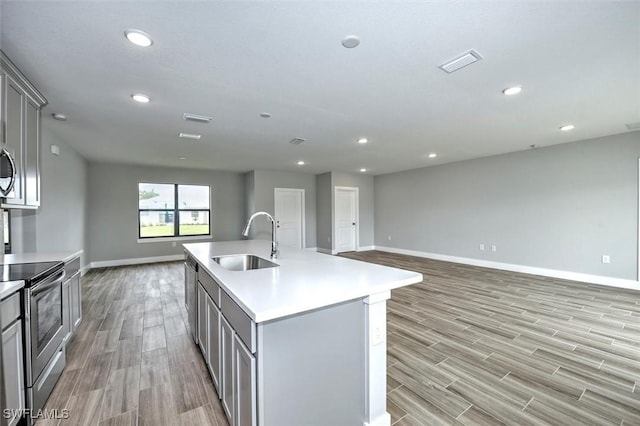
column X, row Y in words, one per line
column 364, row 183
column 113, row 208
column 324, row 203
column 265, row 181
column 560, row 207
column 249, row 193
column 60, row 223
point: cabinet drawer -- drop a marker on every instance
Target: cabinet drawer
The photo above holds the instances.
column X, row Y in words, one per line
column 210, row 285
column 72, row 266
column 241, row 323
column 10, row 309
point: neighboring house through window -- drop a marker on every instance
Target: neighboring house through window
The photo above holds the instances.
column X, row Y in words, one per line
column 173, row 210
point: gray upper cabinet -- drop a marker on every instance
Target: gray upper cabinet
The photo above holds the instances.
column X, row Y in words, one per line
column 20, row 110
column 32, row 154
column 13, row 123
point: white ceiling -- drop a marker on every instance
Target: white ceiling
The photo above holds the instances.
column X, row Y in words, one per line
column 578, row 62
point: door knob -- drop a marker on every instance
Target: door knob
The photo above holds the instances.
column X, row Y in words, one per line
column 353, row 223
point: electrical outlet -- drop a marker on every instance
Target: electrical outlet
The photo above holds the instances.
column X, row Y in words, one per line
column 173, row 244
column 606, row 258
column 377, row 334
column 494, row 248
column 389, row 237
column 328, row 239
column 481, row 247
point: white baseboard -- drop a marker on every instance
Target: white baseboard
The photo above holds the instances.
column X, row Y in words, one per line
column 136, row 261
column 366, row 248
column 325, row 251
column 84, row 270
column 553, row 273
column 311, row 248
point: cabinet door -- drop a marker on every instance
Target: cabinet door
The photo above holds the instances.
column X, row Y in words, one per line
column 244, row 369
column 75, row 302
column 227, row 349
column 213, row 359
column 13, row 370
column 14, row 134
column 66, row 310
column 203, row 340
column 32, row 154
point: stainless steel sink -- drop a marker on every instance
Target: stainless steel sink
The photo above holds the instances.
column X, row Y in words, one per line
column 243, row 262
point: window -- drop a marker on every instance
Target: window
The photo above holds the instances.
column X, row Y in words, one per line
column 172, row 210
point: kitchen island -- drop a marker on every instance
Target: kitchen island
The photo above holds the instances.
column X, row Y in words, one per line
column 301, row 343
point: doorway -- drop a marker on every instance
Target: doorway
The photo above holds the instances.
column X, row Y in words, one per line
column 289, row 216
column 346, row 227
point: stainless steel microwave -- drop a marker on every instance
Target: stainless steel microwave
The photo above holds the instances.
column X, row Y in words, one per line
column 7, row 171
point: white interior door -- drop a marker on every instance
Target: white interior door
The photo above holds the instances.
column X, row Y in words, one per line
column 289, row 211
column 346, row 213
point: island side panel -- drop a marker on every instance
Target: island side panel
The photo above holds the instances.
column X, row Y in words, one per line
column 311, row 367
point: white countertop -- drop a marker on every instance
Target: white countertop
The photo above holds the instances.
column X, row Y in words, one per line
column 7, row 288
column 62, row 256
column 305, row 280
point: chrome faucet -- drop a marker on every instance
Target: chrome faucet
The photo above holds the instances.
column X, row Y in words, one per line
column 274, row 245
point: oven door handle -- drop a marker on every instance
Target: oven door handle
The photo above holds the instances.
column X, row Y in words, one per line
column 44, row 287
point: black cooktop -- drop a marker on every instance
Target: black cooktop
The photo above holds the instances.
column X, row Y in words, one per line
column 31, row 273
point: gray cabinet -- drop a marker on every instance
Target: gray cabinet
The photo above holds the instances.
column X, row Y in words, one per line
column 75, row 290
column 14, row 120
column 71, row 298
column 227, row 349
column 20, row 112
column 244, row 385
column 12, row 359
column 203, row 321
column 213, row 355
column 32, row 154
column 227, row 340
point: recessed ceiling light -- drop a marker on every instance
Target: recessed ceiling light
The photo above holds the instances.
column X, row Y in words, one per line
column 351, row 41
column 139, row 38
column 183, row 158
column 139, row 97
column 363, row 140
column 300, row 163
column 567, row 127
column 189, row 136
column 363, row 170
column 265, row 115
column 433, row 155
column 59, row 117
column 512, row 90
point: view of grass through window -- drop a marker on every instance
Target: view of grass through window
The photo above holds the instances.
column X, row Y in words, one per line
column 172, row 210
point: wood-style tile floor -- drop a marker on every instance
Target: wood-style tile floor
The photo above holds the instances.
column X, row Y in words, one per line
column 132, row 362
column 467, row 346
column 477, row 346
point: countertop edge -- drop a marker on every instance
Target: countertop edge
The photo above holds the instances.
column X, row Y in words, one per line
column 7, row 288
column 63, row 256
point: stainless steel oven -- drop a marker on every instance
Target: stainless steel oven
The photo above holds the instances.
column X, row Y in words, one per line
column 44, row 321
column 44, row 329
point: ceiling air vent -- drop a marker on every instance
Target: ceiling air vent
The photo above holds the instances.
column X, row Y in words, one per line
column 195, row 117
column 189, row 136
column 633, row 126
column 297, row 141
column 461, row 61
